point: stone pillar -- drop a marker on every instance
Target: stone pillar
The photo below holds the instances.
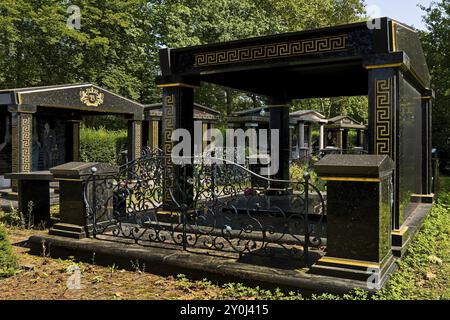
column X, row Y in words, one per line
column 339, row 139
column 153, row 134
column 301, row 135
column 310, row 138
column 359, row 207
column 427, row 145
column 383, row 113
column 73, row 140
column 134, row 139
column 279, row 120
column 360, row 138
column 178, row 113
column 21, row 139
column 322, row 136
column 204, row 135
column 72, row 178
column 344, row 139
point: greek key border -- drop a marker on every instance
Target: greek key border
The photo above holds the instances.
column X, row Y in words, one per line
column 25, row 122
column 272, row 51
column 169, row 126
column 383, row 116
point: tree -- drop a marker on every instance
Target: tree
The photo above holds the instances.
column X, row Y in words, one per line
column 436, row 43
column 118, row 42
column 179, row 23
column 113, row 48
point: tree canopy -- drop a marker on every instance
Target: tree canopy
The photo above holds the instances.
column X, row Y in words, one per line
column 117, row 44
column 436, row 43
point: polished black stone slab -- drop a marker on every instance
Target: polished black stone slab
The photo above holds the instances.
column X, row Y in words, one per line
column 365, row 166
column 72, row 177
column 359, row 215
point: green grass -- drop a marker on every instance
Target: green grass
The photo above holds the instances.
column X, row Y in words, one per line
column 8, row 262
column 444, row 184
column 423, row 273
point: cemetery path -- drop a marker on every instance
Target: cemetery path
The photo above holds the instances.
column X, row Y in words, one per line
column 45, row 278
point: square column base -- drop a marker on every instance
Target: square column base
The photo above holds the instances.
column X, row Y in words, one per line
column 373, row 273
column 69, row 231
column 423, row 198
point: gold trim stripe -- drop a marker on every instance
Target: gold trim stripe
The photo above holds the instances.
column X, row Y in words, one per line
column 394, row 37
column 349, row 262
column 400, row 232
column 381, row 66
column 431, row 195
column 272, row 51
column 171, row 85
column 350, row 179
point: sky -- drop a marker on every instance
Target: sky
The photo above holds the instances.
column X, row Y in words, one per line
column 405, row 11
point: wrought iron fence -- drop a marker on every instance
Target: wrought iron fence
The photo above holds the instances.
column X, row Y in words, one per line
column 209, row 206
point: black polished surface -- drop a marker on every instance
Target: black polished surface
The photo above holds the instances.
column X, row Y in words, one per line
column 358, row 229
column 368, row 166
column 410, row 145
column 408, row 42
column 359, row 211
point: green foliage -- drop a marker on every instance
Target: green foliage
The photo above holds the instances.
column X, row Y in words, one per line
column 436, row 44
column 356, row 107
column 238, row 290
column 8, row 262
column 297, row 172
column 114, row 47
column 12, row 218
column 102, row 145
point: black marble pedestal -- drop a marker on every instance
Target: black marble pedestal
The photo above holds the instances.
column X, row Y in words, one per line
column 34, row 196
column 359, row 214
column 72, row 177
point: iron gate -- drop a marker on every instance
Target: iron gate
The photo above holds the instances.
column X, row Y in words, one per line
column 205, row 207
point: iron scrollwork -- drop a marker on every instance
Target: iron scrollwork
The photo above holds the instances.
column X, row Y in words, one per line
column 217, row 206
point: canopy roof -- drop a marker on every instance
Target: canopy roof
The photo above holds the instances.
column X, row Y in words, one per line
column 200, row 112
column 86, row 98
column 324, row 62
column 257, row 116
column 345, row 122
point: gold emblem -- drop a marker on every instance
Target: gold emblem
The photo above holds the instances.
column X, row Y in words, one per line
column 91, row 97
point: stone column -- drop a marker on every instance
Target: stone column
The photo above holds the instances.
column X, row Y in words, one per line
column 301, row 135
column 21, row 139
column 322, row 137
column 339, row 138
column 360, row 138
column 426, row 144
column 134, row 139
column 74, row 140
column 344, row 139
column 153, row 134
column 359, row 208
column 383, row 111
column 310, row 138
column 178, row 113
column 279, row 120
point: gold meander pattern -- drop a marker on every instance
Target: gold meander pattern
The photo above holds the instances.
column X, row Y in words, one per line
column 383, row 116
column 272, row 51
column 168, row 129
column 25, row 150
column 137, row 139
